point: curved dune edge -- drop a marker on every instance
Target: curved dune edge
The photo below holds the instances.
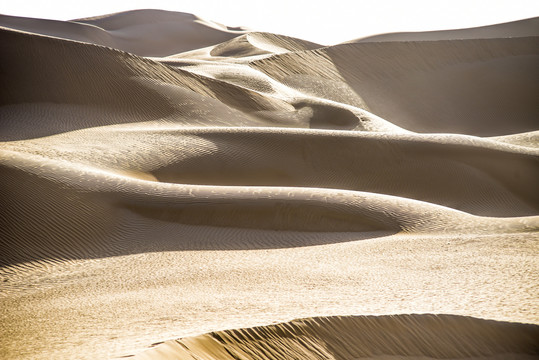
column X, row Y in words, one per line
column 353, row 337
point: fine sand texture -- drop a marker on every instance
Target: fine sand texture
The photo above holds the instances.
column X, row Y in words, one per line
column 165, row 179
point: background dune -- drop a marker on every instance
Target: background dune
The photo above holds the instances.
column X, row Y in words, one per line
column 141, row 32
column 164, row 176
column 520, row 28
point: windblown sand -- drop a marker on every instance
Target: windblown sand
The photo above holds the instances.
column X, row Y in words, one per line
column 164, row 177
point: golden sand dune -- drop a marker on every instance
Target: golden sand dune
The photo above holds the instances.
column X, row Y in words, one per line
column 163, row 177
column 382, row 337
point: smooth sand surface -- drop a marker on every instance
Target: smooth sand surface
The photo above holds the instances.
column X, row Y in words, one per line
column 519, row 28
column 141, row 32
column 166, row 177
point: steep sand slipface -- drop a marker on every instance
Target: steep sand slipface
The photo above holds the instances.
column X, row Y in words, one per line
column 260, row 178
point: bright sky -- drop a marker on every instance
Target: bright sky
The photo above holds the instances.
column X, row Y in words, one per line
column 325, row 22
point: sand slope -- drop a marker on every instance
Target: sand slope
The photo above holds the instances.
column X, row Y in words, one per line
column 383, row 337
column 520, row 28
column 141, row 32
column 472, row 86
column 157, row 135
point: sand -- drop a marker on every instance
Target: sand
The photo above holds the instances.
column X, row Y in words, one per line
column 165, row 180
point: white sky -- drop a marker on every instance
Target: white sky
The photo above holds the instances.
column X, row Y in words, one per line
column 325, row 22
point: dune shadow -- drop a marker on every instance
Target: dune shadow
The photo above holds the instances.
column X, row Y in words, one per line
column 171, row 237
column 479, row 87
column 181, row 237
column 329, row 117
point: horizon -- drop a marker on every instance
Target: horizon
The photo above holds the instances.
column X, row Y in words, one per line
column 302, row 18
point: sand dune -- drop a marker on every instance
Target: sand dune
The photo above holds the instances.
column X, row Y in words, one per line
column 520, row 28
column 145, row 156
column 384, row 337
column 141, row 32
column 479, row 87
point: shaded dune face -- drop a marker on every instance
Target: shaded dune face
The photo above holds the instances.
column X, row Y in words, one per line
column 400, row 336
column 326, row 117
column 479, row 87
